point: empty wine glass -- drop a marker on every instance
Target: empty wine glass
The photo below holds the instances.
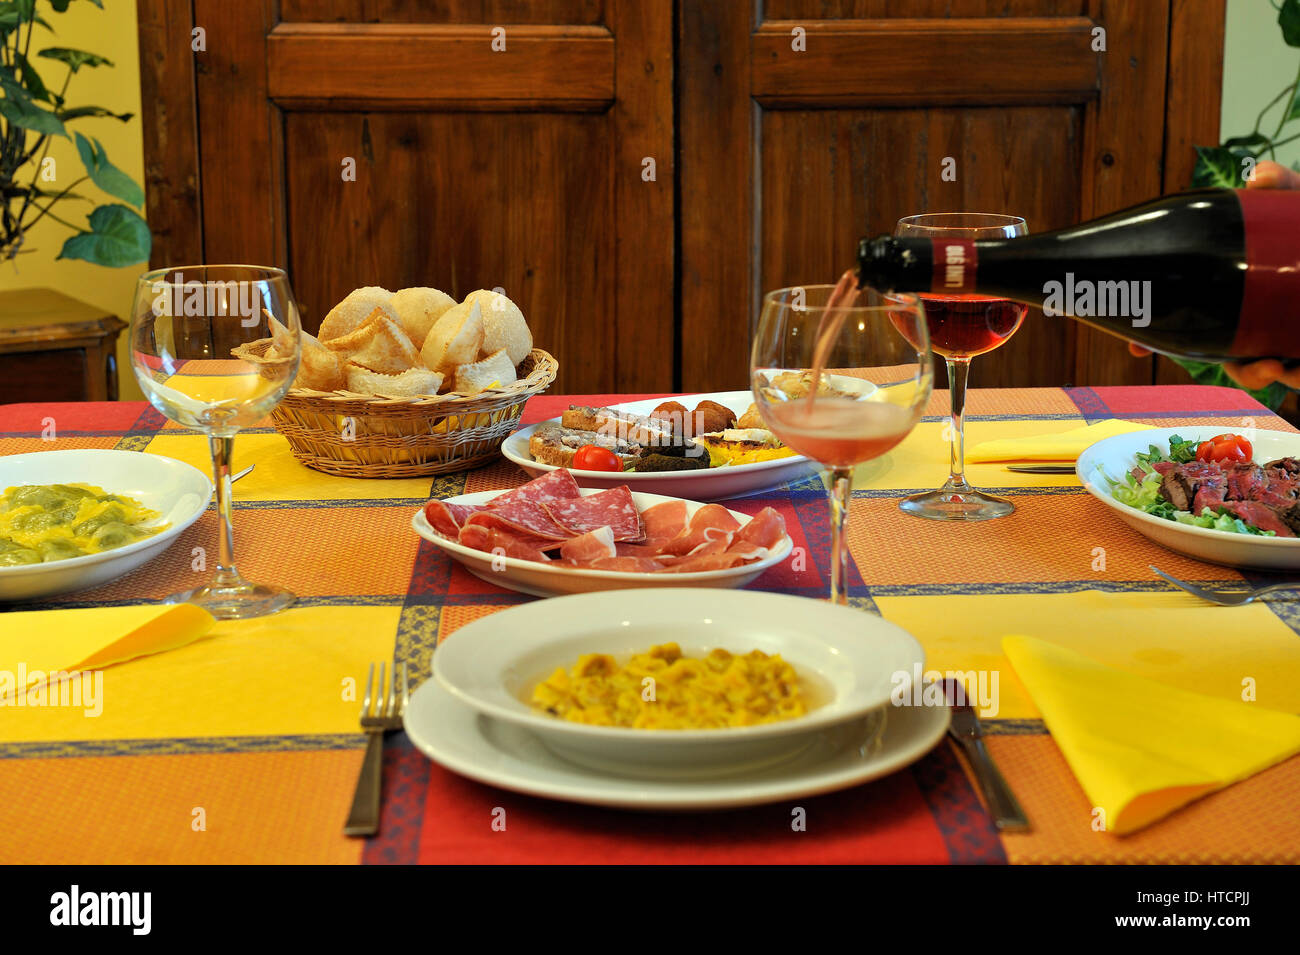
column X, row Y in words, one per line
column 184, row 324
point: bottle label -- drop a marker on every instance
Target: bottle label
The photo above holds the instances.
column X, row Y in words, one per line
column 954, row 266
column 1271, row 220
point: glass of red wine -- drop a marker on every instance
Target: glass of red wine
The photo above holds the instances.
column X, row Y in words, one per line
column 842, row 375
column 961, row 327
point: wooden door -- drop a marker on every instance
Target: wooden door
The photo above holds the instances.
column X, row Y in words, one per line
column 461, row 144
column 807, row 123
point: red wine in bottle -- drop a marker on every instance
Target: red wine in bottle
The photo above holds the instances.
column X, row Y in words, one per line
column 1211, row 274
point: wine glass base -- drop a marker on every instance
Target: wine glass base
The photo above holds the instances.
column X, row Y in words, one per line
column 956, row 504
column 236, row 601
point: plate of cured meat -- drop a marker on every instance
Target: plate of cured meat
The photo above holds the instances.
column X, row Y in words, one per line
column 550, row 537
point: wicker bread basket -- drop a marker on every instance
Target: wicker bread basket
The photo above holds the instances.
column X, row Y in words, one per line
column 366, row 436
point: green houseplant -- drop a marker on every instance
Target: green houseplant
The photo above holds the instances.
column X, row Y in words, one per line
column 1232, row 161
column 32, row 112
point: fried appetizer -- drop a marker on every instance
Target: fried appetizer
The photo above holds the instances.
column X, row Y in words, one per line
column 751, row 418
column 408, row 384
column 709, row 416
column 503, row 325
column 455, row 339
column 379, row 344
column 355, row 310
column 494, row 371
column 418, row 309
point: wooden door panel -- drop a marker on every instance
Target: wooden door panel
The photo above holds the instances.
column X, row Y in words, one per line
column 841, row 111
column 531, row 215
column 918, row 9
column 545, row 168
column 869, row 168
column 443, row 11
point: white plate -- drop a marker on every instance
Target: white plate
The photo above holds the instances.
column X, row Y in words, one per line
column 179, row 493
column 710, row 484
column 1116, row 456
column 473, row 745
column 541, row 580
column 850, row 660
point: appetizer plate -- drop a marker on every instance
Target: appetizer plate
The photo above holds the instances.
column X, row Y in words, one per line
column 179, row 492
column 711, row 484
column 470, row 744
column 849, row 663
column 1116, row 456
column 541, row 580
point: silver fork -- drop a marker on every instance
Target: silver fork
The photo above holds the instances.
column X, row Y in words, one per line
column 1229, row 598
column 363, row 820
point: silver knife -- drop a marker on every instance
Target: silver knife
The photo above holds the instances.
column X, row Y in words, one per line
column 1041, row 468
column 965, row 729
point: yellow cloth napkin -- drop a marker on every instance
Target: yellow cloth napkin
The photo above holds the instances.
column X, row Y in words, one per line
column 35, row 643
column 1058, row 446
column 1139, row 748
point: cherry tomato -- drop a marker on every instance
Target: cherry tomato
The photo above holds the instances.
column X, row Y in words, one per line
column 592, row 457
column 1225, row 449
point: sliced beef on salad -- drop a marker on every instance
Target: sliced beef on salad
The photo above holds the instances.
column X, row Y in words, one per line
column 1215, row 484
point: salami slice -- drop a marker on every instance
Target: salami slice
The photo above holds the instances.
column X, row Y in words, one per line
column 490, row 540
column 553, row 486
column 520, row 518
column 447, row 519
column 614, row 508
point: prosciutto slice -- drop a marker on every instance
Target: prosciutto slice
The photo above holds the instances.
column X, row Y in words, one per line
column 590, row 546
column 711, row 522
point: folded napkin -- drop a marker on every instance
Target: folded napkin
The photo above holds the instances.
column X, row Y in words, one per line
column 1139, row 748
column 1058, row 446
column 35, row 643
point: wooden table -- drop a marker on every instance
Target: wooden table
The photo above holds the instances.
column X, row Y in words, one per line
column 56, row 348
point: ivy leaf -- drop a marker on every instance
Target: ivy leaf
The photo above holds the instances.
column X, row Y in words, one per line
column 118, row 237
column 77, row 112
column 1288, row 18
column 105, row 175
column 61, row 6
column 1294, row 111
column 75, row 59
column 1253, row 139
column 31, row 79
column 1217, row 166
column 17, row 107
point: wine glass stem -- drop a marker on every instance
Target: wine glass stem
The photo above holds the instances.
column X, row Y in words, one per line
column 958, row 369
column 841, row 489
column 222, row 449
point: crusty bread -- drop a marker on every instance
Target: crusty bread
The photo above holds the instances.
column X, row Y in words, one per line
column 503, row 325
column 494, row 371
column 355, row 310
column 556, row 445
column 619, row 424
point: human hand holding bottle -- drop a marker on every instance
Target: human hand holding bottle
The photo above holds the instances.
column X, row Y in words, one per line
column 1257, row 374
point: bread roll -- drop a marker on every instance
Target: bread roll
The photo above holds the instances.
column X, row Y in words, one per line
column 355, row 310
column 455, row 339
column 503, row 325
column 418, row 309
column 494, row 371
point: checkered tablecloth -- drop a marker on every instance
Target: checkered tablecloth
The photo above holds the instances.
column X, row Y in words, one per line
column 243, row 747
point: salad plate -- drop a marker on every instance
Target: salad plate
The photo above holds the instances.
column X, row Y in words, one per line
column 1219, row 534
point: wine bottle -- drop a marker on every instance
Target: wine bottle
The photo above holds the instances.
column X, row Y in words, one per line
column 1211, row 274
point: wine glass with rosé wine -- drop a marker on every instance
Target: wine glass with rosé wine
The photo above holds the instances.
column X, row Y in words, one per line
column 842, row 375
column 962, row 326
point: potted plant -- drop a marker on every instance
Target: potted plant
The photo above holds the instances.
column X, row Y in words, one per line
column 33, row 109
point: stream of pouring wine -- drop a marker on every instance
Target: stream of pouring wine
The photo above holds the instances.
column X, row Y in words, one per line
column 842, row 298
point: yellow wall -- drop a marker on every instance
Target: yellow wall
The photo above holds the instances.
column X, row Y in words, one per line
column 110, row 32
